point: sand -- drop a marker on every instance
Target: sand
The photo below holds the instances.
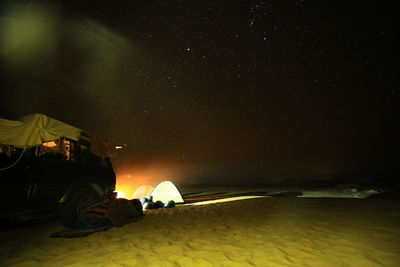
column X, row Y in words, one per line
column 270, row 231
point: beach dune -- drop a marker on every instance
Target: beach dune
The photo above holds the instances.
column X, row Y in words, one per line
column 269, row 231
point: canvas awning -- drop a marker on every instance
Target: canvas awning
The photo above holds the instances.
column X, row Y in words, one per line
column 34, row 129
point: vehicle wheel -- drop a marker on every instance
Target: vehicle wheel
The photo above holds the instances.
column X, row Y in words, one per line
column 70, row 211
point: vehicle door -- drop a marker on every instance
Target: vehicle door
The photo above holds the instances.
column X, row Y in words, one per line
column 15, row 178
column 57, row 167
column 98, row 170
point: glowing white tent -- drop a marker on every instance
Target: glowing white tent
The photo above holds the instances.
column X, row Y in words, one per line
column 142, row 191
column 166, row 191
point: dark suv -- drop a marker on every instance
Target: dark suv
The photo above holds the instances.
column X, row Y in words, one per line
column 60, row 175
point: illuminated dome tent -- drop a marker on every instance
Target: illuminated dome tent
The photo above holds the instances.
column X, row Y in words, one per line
column 142, row 191
column 166, row 191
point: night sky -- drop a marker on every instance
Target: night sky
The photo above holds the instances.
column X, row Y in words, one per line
column 214, row 92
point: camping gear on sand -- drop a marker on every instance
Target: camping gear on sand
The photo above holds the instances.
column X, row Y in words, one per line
column 169, row 204
column 149, row 204
column 163, row 195
column 117, row 210
column 102, row 214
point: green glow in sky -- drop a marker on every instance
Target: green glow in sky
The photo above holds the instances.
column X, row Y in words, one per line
column 27, row 34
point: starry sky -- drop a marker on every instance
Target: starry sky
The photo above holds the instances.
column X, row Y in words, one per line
column 213, row 92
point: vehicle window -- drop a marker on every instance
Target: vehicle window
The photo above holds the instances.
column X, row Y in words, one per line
column 69, row 148
column 8, row 156
column 59, row 150
column 8, row 150
column 49, row 148
column 88, row 158
column 101, row 162
column 11, row 152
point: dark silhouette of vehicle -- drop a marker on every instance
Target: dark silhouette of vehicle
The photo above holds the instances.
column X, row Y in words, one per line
column 56, row 172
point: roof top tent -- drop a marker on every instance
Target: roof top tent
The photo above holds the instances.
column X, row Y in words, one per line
column 35, row 129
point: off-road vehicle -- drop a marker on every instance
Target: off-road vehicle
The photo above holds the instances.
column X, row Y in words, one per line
column 47, row 165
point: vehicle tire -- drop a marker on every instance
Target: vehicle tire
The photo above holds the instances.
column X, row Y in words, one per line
column 70, row 211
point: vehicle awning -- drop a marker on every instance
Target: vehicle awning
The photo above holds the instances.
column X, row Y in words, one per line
column 33, row 130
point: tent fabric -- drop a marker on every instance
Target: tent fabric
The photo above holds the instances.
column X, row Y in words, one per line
column 166, row 191
column 142, row 191
column 33, row 130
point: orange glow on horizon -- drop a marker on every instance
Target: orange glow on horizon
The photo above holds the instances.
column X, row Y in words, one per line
column 127, row 184
column 131, row 178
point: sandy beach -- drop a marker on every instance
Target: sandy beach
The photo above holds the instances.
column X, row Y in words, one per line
column 270, row 231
